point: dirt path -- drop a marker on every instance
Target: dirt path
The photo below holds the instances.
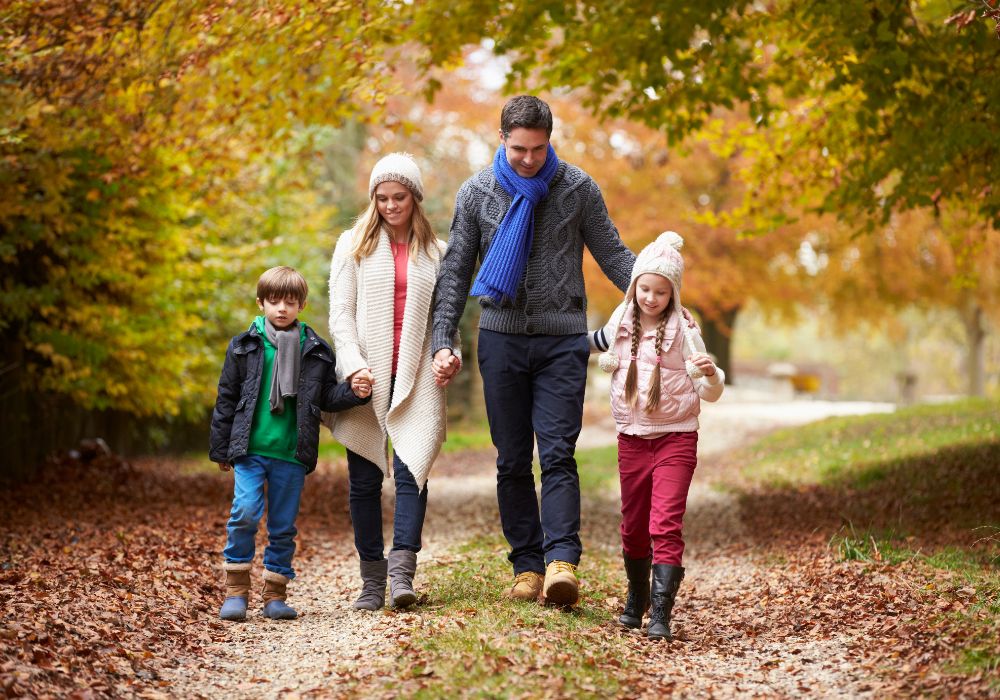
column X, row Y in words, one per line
column 725, row 649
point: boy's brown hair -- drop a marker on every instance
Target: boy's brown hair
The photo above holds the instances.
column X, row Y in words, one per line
column 282, row 282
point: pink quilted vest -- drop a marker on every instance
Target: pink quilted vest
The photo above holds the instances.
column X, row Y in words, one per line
column 679, row 401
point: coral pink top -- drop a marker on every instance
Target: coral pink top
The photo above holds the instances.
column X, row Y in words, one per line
column 401, row 256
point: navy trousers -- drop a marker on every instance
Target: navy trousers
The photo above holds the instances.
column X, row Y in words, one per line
column 534, row 387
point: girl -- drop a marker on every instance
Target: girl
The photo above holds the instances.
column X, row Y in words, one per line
column 381, row 285
column 660, row 373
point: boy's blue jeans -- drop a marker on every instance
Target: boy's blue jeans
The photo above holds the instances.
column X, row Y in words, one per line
column 284, row 482
column 366, row 507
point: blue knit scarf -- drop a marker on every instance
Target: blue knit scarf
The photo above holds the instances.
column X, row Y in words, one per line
column 507, row 257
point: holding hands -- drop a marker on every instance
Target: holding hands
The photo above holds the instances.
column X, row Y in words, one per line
column 446, row 366
column 361, row 383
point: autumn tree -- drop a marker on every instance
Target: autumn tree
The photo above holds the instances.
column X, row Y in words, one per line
column 875, row 78
column 137, row 137
column 861, row 110
column 648, row 187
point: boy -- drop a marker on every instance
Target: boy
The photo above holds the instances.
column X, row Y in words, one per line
column 277, row 378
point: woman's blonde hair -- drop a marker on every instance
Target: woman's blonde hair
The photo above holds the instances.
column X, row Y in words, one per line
column 368, row 226
column 631, row 377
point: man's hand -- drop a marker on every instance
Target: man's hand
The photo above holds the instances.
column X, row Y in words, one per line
column 361, row 383
column 223, row 467
column 445, row 366
column 689, row 318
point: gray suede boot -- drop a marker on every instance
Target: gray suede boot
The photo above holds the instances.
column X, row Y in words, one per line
column 402, row 568
column 372, row 585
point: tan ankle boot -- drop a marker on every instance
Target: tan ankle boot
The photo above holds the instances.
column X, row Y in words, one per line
column 234, row 608
column 274, row 595
column 561, row 586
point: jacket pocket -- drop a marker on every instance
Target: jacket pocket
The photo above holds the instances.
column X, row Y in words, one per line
column 619, row 411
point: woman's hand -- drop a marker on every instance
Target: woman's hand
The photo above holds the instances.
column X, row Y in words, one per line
column 361, row 383
column 445, row 366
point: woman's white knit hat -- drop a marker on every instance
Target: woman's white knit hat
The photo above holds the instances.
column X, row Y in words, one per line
column 397, row 167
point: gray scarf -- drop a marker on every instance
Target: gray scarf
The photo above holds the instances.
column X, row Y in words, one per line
column 287, row 356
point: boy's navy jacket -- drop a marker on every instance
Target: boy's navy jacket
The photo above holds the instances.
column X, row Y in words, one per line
column 239, row 391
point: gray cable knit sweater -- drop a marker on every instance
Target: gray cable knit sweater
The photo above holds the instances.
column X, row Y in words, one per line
column 551, row 298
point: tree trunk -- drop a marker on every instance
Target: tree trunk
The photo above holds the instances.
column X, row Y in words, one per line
column 36, row 424
column 718, row 339
column 975, row 335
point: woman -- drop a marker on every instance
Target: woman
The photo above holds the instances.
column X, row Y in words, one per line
column 381, row 287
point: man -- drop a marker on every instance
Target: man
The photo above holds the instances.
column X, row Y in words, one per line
column 527, row 217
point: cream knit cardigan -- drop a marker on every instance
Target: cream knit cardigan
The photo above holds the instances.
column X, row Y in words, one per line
column 361, row 324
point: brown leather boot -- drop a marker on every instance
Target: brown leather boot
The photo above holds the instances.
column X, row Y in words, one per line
column 561, row 586
column 527, row 586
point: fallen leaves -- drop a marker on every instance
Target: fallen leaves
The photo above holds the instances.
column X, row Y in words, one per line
column 107, row 572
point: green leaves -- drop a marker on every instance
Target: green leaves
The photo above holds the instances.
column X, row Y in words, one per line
column 149, row 158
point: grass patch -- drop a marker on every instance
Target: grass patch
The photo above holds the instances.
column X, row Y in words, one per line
column 468, row 435
column 463, row 436
column 598, row 469
column 917, row 486
column 486, row 646
column 860, row 447
column 852, row 545
column 971, row 588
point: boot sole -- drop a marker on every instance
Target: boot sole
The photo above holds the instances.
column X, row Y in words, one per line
column 562, row 593
column 657, row 636
column 234, row 614
column 404, row 600
column 630, row 622
column 281, row 616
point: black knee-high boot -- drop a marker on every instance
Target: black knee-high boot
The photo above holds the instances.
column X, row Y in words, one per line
column 637, row 603
column 666, row 580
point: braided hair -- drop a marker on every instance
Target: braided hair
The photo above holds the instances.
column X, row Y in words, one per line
column 631, row 377
column 653, row 394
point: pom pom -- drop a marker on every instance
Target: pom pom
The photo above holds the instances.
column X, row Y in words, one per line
column 608, row 361
column 672, row 239
column 693, row 370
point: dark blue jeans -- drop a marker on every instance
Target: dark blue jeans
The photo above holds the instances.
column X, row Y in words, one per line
column 365, row 499
column 284, row 482
column 534, row 387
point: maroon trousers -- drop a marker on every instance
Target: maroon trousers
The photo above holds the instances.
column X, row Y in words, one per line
column 655, row 476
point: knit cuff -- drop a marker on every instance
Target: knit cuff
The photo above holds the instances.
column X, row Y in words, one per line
column 714, row 379
column 441, row 339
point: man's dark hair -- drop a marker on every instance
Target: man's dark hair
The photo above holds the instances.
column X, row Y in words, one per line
column 525, row 112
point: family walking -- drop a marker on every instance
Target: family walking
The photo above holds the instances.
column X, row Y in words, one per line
column 396, row 296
